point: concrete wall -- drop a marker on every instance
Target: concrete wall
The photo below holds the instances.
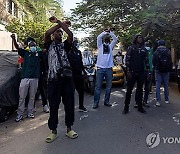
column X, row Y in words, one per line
column 6, row 41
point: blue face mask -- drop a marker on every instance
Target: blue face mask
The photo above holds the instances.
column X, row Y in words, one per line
column 33, row 49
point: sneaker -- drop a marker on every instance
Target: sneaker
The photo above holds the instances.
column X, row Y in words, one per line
column 31, row 116
column 107, row 104
column 46, row 109
column 145, row 104
column 82, row 109
column 158, row 104
column 142, row 110
column 19, row 118
column 95, row 106
column 136, row 106
column 167, row 102
column 126, row 110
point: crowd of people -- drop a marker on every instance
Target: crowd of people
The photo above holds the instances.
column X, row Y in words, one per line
column 64, row 68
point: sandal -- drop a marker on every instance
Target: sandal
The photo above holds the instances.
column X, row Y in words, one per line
column 72, row 134
column 51, row 137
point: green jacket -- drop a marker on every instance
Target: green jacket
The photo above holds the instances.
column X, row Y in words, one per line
column 31, row 64
column 150, row 57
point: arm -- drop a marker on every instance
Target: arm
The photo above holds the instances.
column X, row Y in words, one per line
column 14, row 41
column 48, row 33
column 20, row 51
column 154, row 60
column 99, row 38
column 113, row 43
column 127, row 59
column 147, row 63
column 64, row 25
column 82, row 66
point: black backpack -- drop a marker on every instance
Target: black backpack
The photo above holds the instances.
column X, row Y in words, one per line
column 164, row 63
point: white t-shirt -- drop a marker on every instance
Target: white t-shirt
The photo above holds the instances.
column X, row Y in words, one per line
column 105, row 59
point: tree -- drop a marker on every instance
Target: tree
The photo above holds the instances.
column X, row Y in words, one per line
column 29, row 28
column 150, row 17
column 36, row 22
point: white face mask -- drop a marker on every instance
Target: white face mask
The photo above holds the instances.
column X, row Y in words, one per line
column 77, row 45
column 148, row 48
column 33, row 49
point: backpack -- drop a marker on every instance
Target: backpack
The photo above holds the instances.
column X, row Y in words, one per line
column 164, row 63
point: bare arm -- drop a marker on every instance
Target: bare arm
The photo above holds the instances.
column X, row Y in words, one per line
column 14, row 41
column 49, row 32
column 64, row 25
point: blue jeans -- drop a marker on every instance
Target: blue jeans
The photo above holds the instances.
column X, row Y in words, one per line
column 162, row 78
column 102, row 73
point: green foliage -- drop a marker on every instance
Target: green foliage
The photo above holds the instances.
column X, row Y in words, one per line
column 36, row 23
column 29, row 28
column 159, row 18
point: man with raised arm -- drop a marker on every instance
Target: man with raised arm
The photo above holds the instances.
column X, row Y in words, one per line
column 104, row 65
column 60, row 86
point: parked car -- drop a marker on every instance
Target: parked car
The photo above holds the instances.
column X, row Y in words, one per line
column 118, row 75
column 9, row 84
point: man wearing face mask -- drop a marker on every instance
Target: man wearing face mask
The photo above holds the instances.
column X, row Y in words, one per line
column 30, row 74
column 104, row 65
column 148, row 80
column 75, row 59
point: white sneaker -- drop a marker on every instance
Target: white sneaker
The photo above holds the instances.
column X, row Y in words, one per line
column 31, row 115
column 46, row 109
column 167, row 102
column 158, row 104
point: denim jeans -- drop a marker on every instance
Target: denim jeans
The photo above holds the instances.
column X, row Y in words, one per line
column 102, row 73
column 162, row 78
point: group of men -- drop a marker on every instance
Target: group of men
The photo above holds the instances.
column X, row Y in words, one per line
column 65, row 74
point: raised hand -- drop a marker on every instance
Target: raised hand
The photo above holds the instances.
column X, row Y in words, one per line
column 53, row 19
column 67, row 22
column 111, row 29
column 107, row 30
column 13, row 36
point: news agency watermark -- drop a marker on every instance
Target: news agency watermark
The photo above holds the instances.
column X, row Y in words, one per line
column 154, row 139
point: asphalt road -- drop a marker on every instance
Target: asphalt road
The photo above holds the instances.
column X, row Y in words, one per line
column 101, row 131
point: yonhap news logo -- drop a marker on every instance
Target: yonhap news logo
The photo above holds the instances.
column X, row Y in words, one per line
column 154, row 139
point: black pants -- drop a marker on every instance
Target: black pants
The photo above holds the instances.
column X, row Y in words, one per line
column 139, row 78
column 42, row 90
column 79, row 86
column 62, row 89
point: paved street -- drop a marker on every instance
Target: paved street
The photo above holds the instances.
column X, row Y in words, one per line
column 101, row 131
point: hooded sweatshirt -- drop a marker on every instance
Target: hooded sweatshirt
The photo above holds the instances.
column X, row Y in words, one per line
column 136, row 57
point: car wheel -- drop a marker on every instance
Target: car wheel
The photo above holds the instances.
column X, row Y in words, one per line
column 4, row 114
